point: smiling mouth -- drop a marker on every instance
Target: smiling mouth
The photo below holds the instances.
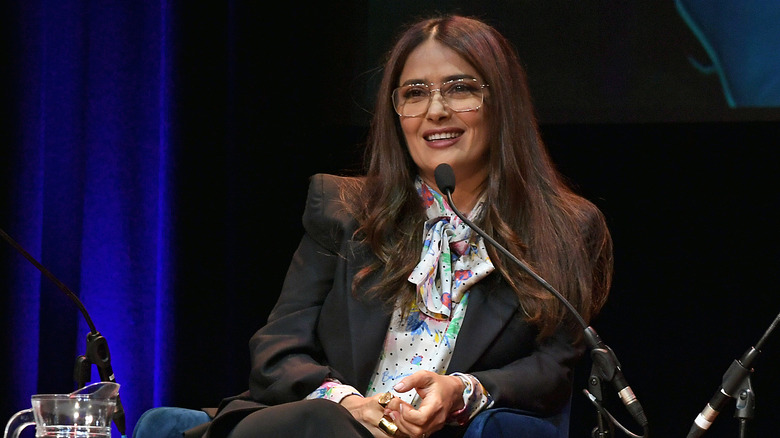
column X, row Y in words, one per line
column 442, row 136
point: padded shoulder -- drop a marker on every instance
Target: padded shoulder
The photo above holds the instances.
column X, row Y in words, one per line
column 325, row 217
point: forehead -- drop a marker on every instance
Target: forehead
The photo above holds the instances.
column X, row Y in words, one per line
column 433, row 62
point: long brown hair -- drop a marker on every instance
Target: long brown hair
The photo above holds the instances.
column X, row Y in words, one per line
column 530, row 209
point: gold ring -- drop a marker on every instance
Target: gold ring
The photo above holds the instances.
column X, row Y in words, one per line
column 385, row 398
column 387, row 426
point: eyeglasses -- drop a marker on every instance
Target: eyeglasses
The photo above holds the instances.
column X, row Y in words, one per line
column 460, row 95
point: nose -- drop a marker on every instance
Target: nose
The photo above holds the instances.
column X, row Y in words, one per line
column 437, row 108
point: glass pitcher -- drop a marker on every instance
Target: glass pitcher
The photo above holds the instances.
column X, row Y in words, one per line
column 85, row 413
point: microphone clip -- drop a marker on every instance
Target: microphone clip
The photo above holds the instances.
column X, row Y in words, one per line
column 97, row 353
column 595, row 393
column 737, row 385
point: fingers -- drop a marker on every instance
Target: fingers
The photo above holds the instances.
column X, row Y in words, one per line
column 394, row 424
column 438, row 396
column 428, row 414
column 413, row 422
column 370, row 412
column 420, row 379
column 427, row 418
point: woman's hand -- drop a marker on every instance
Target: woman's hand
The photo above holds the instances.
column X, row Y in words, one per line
column 441, row 395
column 369, row 413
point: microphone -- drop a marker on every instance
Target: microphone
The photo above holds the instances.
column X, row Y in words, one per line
column 733, row 382
column 97, row 346
column 602, row 355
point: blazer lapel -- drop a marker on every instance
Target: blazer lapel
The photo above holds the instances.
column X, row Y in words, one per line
column 368, row 321
column 484, row 320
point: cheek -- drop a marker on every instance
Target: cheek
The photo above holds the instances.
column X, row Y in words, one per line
column 480, row 131
column 410, row 126
column 483, row 139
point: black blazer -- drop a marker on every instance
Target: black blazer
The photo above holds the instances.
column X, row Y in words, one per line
column 320, row 329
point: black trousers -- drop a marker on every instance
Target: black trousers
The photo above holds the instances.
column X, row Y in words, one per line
column 306, row 418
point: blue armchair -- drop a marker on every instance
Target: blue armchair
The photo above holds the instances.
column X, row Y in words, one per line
column 167, row 422
column 170, row 422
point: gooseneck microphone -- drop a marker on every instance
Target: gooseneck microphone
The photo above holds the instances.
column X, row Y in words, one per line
column 735, row 380
column 97, row 346
column 602, row 355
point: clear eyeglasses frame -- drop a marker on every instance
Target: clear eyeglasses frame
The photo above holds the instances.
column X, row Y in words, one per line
column 459, row 95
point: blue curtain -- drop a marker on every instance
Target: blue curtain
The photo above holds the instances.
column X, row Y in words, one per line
column 90, row 170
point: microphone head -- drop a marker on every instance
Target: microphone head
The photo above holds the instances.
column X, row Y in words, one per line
column 445, row 178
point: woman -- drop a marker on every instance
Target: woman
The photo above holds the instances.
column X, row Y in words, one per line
column 396, row 319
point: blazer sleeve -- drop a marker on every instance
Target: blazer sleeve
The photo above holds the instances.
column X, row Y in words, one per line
column 540, row 382
column 287, row 360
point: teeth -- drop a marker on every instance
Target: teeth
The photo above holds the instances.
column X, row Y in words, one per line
column 442, row 135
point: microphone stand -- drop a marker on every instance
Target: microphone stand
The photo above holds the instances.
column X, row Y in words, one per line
column 736, row 383
column 97, row 352
column 745, row 408
column 595, row 396
column 605, row 364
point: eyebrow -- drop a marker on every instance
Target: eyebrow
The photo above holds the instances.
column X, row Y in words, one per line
column 446, row 79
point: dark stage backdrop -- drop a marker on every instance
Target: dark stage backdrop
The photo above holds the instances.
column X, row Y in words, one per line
column 155, row 157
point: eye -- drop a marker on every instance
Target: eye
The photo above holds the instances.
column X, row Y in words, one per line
column 460, row 88
column 415, row 92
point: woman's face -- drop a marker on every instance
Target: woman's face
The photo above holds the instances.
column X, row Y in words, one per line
column 441, row 135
